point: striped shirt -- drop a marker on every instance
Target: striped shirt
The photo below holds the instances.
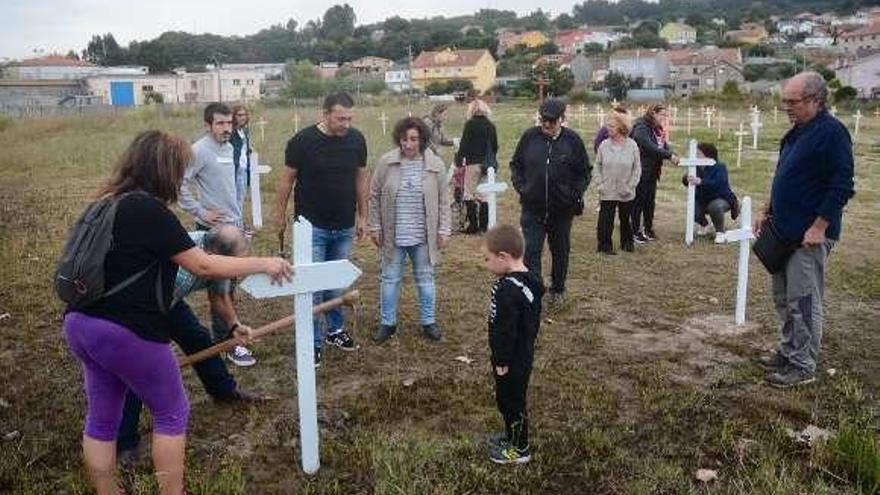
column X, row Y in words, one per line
column 409, row 217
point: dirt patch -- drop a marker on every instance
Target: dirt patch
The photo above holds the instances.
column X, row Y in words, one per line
column 696, row 346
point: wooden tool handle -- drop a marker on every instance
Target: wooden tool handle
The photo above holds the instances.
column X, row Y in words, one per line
column 348, row 299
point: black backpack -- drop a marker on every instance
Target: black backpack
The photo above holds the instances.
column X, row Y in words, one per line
column 79, row 278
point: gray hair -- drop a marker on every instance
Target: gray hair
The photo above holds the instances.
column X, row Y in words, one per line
column 225, row 240
column 814, row 86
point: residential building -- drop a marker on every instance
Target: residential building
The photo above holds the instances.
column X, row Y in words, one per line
column 704, row 70
column 863, row 74
column 649, row 64
column 328, row 70
column 678, row 33
column 818, row 41
column 749, row 33
column 860, row 41
column 269, row 71
column 31, row 93
column 369, row 65
column 397, row 78
column 529, row 39
column 573, row 40
column 476, row 66
column 54, row 67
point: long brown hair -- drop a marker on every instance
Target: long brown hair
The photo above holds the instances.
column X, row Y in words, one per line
column 154, row 163
column 651, row 114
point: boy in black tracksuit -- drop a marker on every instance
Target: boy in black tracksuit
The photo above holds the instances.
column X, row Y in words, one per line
column 514, row 319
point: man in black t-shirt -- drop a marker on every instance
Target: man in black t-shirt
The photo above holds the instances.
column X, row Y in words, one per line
column 326, row 168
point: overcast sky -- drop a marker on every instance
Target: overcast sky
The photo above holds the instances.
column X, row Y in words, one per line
column 61, row 25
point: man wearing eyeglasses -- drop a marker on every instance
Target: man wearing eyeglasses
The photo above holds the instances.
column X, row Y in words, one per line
column 550, row 170
column 812, row 184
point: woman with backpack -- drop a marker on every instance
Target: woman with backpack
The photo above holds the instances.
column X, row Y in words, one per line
column 477, row 152
column 120, row 335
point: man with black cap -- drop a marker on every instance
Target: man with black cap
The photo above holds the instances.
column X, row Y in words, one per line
column 550, row 170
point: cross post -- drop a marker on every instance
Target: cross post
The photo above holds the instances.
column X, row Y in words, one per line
column 489, row 190
column 262, row 123
column 384, row 119
column 690, row 115
column 739, row 148
column 858, row 119
column 308, row 278
column 756, row 126
column 742, row 235
column 257, row 169
column 692, row 162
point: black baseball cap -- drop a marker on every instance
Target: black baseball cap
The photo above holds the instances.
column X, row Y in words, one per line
column 552, row 108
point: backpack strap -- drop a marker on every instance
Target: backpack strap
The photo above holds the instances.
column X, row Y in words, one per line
column 130, row 280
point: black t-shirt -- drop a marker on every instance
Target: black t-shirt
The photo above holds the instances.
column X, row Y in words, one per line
column 514, row 319
column 145, row 231
column 326, row 177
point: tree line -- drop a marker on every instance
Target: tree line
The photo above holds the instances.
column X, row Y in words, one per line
column 336, row 37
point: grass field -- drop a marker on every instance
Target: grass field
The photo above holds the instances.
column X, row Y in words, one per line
column 640, row 379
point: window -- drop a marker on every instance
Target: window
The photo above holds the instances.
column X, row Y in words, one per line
column 250, row 82
column 236, row 82
column 147, row 88
column 696, row 71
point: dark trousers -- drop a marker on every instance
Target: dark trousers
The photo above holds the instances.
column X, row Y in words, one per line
column 557, row 229
column 510, row 395
column 219, row 329
column 715, row 209
column 188, row 333
column 643, row 205
column 605, row 227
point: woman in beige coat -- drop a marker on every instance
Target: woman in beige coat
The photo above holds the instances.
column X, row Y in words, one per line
column 619, row 168
column 409, row 218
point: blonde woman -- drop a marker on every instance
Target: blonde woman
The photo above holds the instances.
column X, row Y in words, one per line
column 619, row 168
column 477, row 152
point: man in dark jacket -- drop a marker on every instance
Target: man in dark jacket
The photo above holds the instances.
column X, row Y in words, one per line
column 550, row 170
column 812, row 184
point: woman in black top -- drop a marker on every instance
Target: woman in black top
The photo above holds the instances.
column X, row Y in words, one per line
column 121, row 340
column 477, row 152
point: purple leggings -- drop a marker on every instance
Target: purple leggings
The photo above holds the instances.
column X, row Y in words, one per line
column 115, row 359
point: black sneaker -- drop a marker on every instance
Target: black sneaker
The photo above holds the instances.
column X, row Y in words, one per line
column 628, row 248
column 317, row 358
column 505, row 453
column 650, row 235
column 790, row 376
column 342, row 340
column 639, row 238
column 772, row 362
column 384, row 333
column 431, row 332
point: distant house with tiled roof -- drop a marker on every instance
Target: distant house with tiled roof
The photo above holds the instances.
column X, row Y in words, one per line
column 476, row 66
column 706, row 69
column 750, row 33
column 528, row 39
column 860, row 41
column 648, row 64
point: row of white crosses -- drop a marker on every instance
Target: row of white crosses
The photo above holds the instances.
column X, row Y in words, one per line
column 308, row 278
column 742, row 235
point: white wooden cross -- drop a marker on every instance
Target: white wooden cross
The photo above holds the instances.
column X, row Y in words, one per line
column 384, row 119
column 858, row 119
column 877, row 112
column 692, row 161
column 690, row 114
column 489, row 190
column 739, row 147
column 582, row 110
column 262, row 123
column 709, row 111
column 257, row 168
column 756, row 126
column 674, row 114
column 833, row 110
column 600, row 117
column 614, row 103
column 742, row 235
column 308, row 278
column 720, row 122
column 295, row 122
column 775, row 113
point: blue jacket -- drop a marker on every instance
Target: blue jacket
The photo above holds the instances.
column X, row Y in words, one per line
column 715, row 185
column 814, row 177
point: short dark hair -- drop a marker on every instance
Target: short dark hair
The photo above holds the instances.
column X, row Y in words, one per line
column 505, row 238
column 215, row 108
column 408, row 123
column 709, row 150
column 341, row 98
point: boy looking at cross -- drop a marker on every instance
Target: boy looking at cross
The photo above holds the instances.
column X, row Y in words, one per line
column 514, row 319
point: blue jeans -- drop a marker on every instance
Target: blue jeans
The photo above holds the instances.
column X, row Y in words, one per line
column 188, row 333
column 330, row 245
column 391, row 276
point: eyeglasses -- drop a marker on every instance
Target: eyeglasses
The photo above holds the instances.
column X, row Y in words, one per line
column 794, row 101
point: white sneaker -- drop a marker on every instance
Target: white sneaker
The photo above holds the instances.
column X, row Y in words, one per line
column 720, row 238
column 241, row 356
